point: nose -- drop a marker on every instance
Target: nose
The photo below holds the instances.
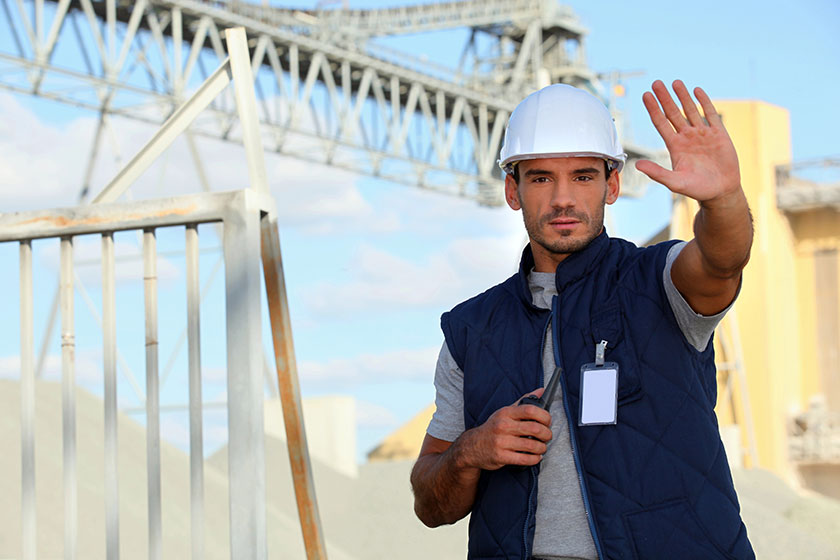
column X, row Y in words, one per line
column 562, row 194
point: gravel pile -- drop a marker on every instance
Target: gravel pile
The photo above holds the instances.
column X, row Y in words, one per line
column 368, row 517
column 785, row 524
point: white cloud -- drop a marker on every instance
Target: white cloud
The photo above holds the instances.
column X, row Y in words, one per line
column 431, row 214
column 379, row 279
column 396, row 365
column 371, row 415
column 87, row 369
column 10, row 366
column 324, row 202
column 214, row 374
column 42, row 165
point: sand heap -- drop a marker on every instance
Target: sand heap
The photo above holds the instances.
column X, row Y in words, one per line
column 367, row 517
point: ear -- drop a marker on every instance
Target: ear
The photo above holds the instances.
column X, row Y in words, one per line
column 613, row 187
column 511, row 194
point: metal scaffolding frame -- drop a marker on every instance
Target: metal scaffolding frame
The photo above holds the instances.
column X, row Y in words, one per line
column 733, row 389
column 249, row 236
column 333, row 97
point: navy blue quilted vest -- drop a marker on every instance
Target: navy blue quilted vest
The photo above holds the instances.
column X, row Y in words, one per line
column 657, row 484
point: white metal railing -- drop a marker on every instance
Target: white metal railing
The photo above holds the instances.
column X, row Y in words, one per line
column 250, row 237
column 240, row 214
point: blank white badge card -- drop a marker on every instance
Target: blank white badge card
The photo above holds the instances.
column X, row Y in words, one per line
column 599, row 394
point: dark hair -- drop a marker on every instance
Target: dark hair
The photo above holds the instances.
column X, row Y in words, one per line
column 608, row 169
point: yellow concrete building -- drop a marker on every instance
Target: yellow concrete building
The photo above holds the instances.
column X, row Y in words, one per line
column 787, row 317
column 782, row 341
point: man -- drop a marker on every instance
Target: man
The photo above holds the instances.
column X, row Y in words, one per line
column 646, row 477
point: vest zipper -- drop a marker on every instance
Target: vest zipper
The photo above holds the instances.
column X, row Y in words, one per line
column 572, row 435
column 531, row 506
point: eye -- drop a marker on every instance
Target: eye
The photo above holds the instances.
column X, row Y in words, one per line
column 584, row 178
column 540, row 179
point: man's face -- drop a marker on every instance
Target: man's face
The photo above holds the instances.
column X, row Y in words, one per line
column 562, row 202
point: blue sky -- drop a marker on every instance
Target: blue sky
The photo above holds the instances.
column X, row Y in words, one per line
column 371, row 265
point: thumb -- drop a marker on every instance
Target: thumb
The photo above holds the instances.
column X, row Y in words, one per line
column 535, row 393
column 654, row 171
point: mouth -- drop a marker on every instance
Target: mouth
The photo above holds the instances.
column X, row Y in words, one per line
column 564, row 223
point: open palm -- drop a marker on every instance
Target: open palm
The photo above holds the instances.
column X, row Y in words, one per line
column 704, row 165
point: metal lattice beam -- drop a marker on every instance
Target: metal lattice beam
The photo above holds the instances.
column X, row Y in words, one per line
column 320, row 100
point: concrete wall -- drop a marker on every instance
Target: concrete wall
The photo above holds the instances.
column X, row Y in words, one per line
column 817, row 234
column 788, row 311
column 330, row 423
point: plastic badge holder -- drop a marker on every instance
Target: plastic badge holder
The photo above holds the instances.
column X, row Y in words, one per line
column 598, row 394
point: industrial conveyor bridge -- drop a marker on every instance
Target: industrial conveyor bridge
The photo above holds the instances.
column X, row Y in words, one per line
column 331, row 90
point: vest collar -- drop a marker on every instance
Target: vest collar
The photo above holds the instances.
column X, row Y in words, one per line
column 572, row 268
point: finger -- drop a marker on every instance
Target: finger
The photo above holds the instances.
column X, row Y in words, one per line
column 520, row 459
column 709, row 110
column 657, row 117
column 688, row 104
column 668, row 106
column 526, row 445
column 536, row 430
column 535, row 393
column 531, row 413
column 658, row 173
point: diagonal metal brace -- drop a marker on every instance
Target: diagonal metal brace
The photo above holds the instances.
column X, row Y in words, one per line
column 169, row 131
column 287, row 380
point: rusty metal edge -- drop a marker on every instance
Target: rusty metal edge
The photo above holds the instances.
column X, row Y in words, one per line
column 287, row 381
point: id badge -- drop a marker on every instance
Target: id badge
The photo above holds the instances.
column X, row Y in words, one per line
column 598, row 394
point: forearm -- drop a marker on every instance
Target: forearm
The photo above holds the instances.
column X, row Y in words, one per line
column 445, row 477
column 444, row 485
column 723, row 232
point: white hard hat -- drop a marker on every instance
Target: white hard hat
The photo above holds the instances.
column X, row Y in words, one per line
column 560, row 121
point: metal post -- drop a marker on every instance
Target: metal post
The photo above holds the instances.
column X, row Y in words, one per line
column 109, row 325
column 287, row 380
column 182, row 336
column 246, row 104
column 45, row 341
column 246, row 453
column 743, row 388
column 194, row 352
column 68, row 386
column 152, row 393
column 27, row 406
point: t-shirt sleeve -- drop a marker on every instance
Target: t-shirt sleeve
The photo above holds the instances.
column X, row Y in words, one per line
column 448, row 420
column 697, row 329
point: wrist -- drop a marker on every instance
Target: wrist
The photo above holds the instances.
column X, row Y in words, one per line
column 462, row 454
column 732, row 198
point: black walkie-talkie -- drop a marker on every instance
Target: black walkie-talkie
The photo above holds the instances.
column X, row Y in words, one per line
column 544, row 402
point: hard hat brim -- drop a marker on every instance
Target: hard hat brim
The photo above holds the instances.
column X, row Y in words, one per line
column 617, row 161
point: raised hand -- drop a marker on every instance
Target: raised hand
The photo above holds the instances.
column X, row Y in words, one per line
column 703, row 160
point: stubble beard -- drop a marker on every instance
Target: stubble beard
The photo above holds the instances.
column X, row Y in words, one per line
column 566, row 244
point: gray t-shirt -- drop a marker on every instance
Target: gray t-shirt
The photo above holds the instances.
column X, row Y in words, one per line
column 562, row 529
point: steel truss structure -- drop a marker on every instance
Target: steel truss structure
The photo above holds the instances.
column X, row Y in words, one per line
column 328, row 91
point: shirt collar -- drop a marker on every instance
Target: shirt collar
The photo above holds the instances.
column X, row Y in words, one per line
column 572, row 268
